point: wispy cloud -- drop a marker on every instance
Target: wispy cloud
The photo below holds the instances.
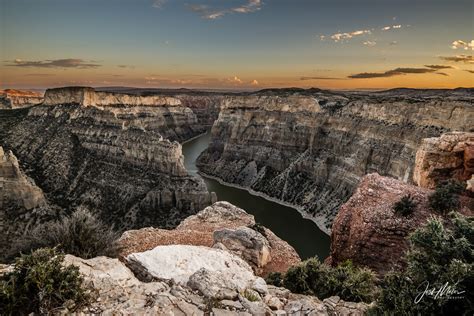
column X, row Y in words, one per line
column 345, row 36
column 463, row 45
column 40, row 75
column 254, row 82
column 370, row 43
column 468, row 59
column 57, row 63
column 400, row 71
column 211, row 13
column 471, row 71
column 126, row 66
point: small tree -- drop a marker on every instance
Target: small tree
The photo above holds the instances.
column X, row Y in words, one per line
column 446, row 197
column 405, row 206
column 40, row 283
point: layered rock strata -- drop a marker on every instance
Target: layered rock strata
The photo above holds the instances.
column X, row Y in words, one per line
column 369, row 232
column 15, row 99
column 450, row 156
column 121, row 160
column 310, row 148
column 222, row 220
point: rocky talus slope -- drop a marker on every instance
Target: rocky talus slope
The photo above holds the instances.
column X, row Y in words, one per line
column 367, row 230
column 310, row 148
column 115, row 154
column 224, row 226
column 193, row 280
column 15, row 99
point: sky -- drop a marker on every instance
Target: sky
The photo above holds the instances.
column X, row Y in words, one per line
column 237, row 44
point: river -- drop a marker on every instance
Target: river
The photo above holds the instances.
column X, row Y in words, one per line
column 286, row 222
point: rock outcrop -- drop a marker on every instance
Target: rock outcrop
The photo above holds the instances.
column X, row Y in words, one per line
column 116, row 290
column 121, row 160
column 22, row 203
column 450, row 156
column 311, row 147
column 270, row 254
column 16, row 99
column 369, row 232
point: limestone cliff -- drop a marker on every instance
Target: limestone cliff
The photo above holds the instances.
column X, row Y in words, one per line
column 450, row 156
column 311, row 147
column 119, row 159
column 14, row 99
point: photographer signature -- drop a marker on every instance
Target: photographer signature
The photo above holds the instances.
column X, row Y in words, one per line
column 445, row 291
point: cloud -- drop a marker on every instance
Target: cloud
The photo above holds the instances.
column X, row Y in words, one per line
column 235, row 80
column 397, row 72
column 393, row 43
column 126, row 66
column 211, row 13
column 338, row 37
column 370, row 43
column 159, row 3
column 471, row 71
column 463, row 45
column 40, row 75
column 57, row 63
column 386, row 28
column 437, row 67
column 468, row 59
column 254, row 82
column 321, row 78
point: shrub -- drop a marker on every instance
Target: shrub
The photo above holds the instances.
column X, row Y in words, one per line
column 81, row 234
column 446, row 197
column 405, row 206
column 437, row 256
column 316, row 278
column 40, row 284
column 258, row 228
column 274, row 278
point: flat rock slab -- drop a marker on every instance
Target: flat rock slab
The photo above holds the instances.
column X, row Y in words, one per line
column 180, row 262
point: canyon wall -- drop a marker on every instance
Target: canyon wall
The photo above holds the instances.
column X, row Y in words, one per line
column 311, row 148
column 15, row 99
column 122, row 161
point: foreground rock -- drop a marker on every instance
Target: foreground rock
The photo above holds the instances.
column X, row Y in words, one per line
column 450, row 156
column 369, row 232
column 117, row 291
column 200, row 230
column 311, row 147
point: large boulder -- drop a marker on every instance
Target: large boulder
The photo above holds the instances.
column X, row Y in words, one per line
column 199, row 230
column 247, row 243
column 440, row 158
column 369, row 232
column 218, row 271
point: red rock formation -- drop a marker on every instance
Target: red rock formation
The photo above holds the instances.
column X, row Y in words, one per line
column 449, row 156
column 367, row 230
column 198, row 230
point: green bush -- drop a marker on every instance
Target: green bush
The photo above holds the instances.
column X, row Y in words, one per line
column 445, row 198
column 40, row 284
column 437, row 256
column 347, row 281
column 274, row 278
column 405, row 206
column 81, row 234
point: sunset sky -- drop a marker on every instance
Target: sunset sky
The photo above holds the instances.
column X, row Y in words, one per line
column 237, row 44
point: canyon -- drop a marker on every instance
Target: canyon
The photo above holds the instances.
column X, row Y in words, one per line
column 310, row 148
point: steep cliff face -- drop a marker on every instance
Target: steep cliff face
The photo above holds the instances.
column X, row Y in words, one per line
column 450, row 156
column 311, row 148
column 120, row 160
column 14, row 99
